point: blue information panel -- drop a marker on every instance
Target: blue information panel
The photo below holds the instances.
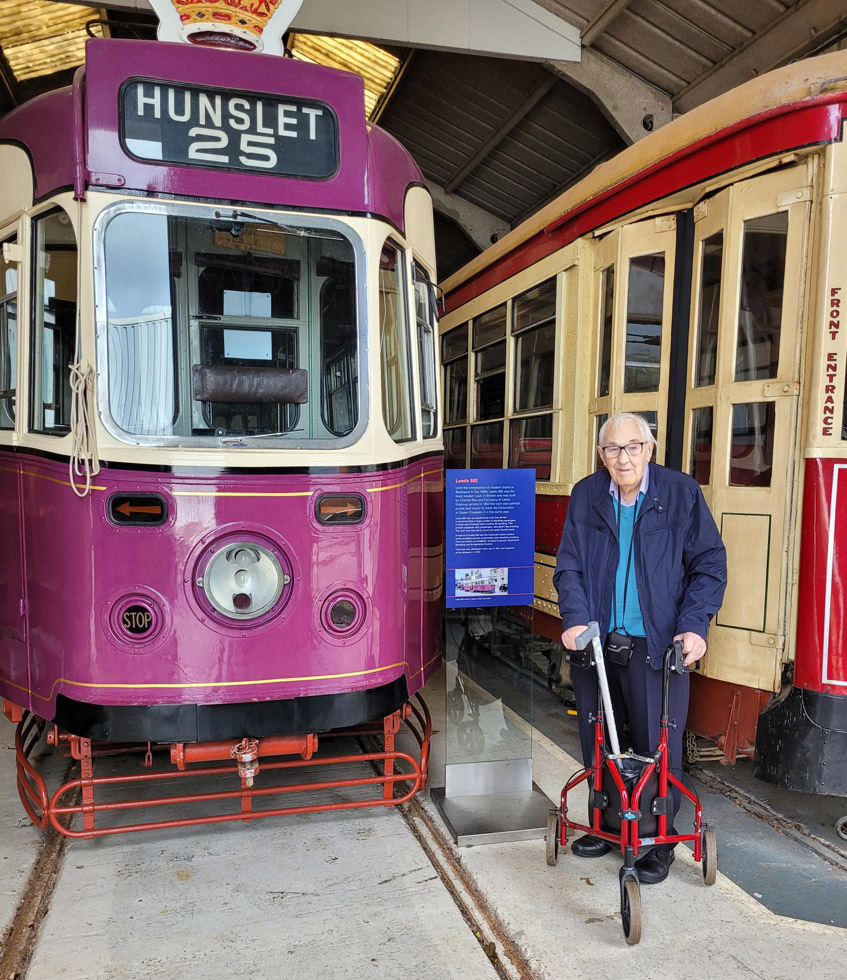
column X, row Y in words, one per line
column 490, row 537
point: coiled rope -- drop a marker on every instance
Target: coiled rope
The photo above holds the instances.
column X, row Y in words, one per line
column 84, row 462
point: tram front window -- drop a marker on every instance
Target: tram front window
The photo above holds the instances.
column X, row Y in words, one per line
column 223, row 327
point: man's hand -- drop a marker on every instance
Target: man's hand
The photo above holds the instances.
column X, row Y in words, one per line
column 569, row 637
column 693, row 647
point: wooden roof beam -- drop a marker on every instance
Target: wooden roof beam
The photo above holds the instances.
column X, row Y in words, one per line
column 602, row 20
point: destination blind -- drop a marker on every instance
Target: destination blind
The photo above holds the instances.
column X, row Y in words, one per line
column 203, row 127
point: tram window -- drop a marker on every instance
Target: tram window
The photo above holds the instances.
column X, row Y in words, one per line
column 141, row 342
column 760, row 308
column 607, row 295
column 54, row 323
column 454, row 351
column 710, row 300
column 534, row 322
column 340, row 403
column 425, row 320
column 645, row 301
column 8, row 338
column 701, row 445
column 751, row 459
column 531, row 444
column 599, row 422
column 456, row 448
column 394, row 346
column 487, row 446
column 489, row 344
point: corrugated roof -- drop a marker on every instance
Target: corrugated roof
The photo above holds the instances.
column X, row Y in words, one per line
column 41, row 38
column 376, row 66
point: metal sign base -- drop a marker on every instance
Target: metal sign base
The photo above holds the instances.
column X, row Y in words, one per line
column 494, row 818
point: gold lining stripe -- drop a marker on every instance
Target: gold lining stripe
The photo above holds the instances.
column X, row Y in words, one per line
column 394, row 486
column 50, row 479
column 272, row 680
column 236, row 493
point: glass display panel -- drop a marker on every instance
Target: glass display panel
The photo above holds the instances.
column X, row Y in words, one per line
column 607, row 308
column 535, row 306
column 8, row 338
column 751, row 452
column 394, row 333
column 645, row 300
column 53, row 323
column 701, row 445
column 531, row 444
column 711, row 262
column 487, row 446
column 489, row 327
column 455, row 448
column 760, row 308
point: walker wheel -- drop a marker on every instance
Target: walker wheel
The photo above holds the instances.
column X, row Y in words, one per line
column 841, row 828
column 710, row 857
column 631, row 911
column 553, row 829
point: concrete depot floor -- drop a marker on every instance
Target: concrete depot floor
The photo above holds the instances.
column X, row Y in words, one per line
column 349, row 895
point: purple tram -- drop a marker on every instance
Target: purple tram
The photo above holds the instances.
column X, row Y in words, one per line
column 221, row 472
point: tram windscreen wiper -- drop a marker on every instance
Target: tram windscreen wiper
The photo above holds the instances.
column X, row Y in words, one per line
column 251, row 436
column 264, row 220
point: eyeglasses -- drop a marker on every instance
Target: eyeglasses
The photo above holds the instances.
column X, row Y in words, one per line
column 632, row 449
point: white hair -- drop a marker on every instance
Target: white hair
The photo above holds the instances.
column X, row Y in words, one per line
column 614, row 421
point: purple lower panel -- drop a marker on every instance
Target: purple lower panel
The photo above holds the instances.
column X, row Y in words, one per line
column 84, row 576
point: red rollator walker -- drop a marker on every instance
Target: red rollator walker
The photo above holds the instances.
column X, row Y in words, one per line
column 630, row 798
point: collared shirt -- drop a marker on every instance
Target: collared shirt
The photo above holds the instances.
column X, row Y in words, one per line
column 614, row 490
column 628, row 618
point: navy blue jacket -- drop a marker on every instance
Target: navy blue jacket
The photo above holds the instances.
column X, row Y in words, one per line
column 678, row 556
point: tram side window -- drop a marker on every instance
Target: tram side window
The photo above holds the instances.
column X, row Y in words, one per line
column 54, row 323
column 645, row 302
column 394, row 346
column 701, row 445
column 425, row 320
column 489, row 359
column 8, row 338
column 454, row 357
column 340, row 403
column 534, row 327
column 711, row 262
column 760, row 307
column 751, row 454
column 607, row 312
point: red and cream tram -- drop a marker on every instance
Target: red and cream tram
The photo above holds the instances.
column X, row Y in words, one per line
column 698, row 278
column 221, row 486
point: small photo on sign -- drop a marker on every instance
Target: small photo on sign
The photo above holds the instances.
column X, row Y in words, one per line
column 481, row 581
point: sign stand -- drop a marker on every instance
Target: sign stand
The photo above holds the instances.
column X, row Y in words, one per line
column 489, row 795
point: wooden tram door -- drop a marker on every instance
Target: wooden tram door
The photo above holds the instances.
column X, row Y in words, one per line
column 634, row 273
column 741, row 408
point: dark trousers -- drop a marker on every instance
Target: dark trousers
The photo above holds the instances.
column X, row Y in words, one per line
column 636, row 692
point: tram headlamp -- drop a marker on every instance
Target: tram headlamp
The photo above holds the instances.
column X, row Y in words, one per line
column 243, row 580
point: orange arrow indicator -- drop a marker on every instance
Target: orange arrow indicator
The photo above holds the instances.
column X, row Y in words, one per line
column 127, row 508
column 346, row 509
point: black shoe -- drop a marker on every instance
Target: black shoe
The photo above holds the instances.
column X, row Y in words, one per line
column 590, row 846
column 654, row 866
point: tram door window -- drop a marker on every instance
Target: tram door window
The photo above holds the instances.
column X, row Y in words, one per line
column 634, row 288
column 534, row 330
column 394, row 346
column 489, row 398
column 741, row 408
column 53, row 322
column 425, row 321
column 454, row 357
column 8, row 335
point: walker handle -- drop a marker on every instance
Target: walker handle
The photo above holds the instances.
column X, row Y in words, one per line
column 591, row 632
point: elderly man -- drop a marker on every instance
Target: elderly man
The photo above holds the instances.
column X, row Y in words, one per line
column 641, row 555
